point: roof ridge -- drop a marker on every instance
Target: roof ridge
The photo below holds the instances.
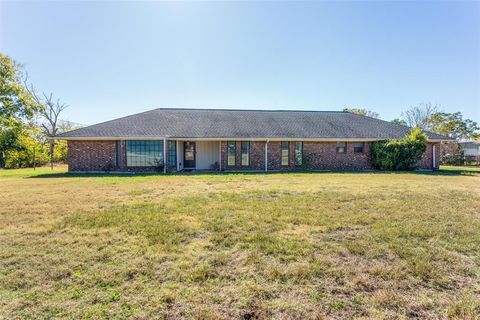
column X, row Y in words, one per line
column 255, row 110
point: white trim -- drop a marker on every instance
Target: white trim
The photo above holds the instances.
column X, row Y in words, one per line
column 266, row 156
column 219, row 155
column 433, row 159
column 164, row 155
column 177, row 157
column 234, row 139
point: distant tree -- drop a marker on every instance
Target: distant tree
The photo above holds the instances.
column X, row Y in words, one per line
column 399, row 121
column 60, row 154
column 362, row 112
column 453, row 125
column 419, row 115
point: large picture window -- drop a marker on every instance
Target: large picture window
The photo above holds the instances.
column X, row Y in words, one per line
column 231, row 153
column 298, row 153
column 284, row 153
column 146, row 153
column 172, row 153
column 245, row 153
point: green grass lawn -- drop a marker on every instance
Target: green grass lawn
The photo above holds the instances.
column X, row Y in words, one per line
column 241, row 246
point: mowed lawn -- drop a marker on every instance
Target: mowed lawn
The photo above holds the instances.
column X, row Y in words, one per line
column 240, row 246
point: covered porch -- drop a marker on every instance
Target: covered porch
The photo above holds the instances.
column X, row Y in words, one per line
column 198, row 155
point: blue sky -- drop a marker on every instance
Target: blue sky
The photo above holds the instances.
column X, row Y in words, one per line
column 109, row 59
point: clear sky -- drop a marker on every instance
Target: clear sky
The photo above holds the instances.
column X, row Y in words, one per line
column 110, row 59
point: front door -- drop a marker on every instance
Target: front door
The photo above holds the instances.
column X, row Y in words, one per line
column 189, row 155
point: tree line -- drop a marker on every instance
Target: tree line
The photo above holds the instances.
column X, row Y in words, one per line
column 430, row 117
column 28, row 120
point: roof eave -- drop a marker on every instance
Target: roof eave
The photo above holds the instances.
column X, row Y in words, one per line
column 231, row 138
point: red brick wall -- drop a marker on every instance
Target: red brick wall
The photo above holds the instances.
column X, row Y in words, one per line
column 91, row 155
column 100, row 156
column 324, row 156
column 427, row 160
column 257, row 156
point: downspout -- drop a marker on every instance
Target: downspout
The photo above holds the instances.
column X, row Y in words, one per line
column 164, row 155
column 433, row 159
column 266, row 156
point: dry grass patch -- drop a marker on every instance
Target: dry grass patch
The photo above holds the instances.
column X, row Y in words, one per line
column 302, row 246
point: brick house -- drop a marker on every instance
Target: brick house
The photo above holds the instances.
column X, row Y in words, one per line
column 171, row 140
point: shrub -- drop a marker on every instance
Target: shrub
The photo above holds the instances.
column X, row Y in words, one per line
column 400, row 154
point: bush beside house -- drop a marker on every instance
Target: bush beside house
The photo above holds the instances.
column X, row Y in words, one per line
column 399, row 154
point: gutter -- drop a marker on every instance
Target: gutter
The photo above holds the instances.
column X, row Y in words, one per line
column 234, row 139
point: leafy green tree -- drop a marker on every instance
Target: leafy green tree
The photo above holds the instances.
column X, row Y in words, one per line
column 453, row 125
column 31, row 149
column 9, row 140
column 17, row 106
column 16, row 103
column 362, row 112
column 399, row 121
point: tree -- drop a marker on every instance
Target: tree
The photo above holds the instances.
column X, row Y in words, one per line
column 419, row 115
column 50, row 112
column 362, row 112
column 17, row 106
column 9, row 140
column 399, row 121
column 31, row 149
column 453, row 125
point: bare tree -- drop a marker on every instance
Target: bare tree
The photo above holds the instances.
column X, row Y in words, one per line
column 50, row 126
column 50, row 110
column 419, row 115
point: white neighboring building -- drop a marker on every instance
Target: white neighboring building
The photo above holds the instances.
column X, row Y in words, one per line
column 471, row 148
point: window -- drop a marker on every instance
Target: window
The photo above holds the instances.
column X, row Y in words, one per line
column 284, row 153
column 172, row 153
column 341, row 147
column 144, row 153
column 245, row 153
column 358, row 147
column 231, row 153
column 298, row 153
column 118, row 149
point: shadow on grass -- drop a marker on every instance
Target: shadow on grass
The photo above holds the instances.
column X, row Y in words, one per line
column 451, row 171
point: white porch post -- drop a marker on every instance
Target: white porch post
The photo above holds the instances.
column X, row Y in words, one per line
column 177, row 157
column 433, row 158
column 266, row 156
column 164, row 155
column 220, row 155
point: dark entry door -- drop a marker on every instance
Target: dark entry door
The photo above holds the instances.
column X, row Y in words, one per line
column 189, row 155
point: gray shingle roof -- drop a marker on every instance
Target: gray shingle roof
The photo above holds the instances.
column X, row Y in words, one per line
column 216, row 123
